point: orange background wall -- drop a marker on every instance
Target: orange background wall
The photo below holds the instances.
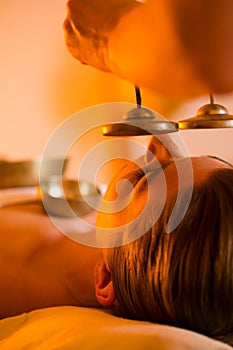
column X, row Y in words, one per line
column 41, row 85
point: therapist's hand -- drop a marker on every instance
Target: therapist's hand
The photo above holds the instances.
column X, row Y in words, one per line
column 173, row 47
column 88, row 25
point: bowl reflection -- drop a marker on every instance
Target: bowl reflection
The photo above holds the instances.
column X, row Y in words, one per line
column 69, row 198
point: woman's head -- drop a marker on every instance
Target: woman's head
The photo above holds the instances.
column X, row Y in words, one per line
column 182, row 278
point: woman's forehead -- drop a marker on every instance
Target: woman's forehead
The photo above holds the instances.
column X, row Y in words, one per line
column 158, row 185
column 185, row 171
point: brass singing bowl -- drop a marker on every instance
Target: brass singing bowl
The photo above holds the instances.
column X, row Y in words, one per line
column 69, row 198
column 209, row 116
column 26, row 173
column 140, row 121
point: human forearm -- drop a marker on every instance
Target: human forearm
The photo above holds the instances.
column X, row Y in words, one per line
column 175, row 47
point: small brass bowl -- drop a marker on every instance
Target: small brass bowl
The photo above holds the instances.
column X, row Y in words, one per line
column 69, row 198
column 26, row 173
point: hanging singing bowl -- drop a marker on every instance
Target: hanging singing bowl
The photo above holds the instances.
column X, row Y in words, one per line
column 140, row 121
column 209, row 116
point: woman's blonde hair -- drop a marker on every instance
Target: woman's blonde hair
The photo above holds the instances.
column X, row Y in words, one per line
column 183, row 278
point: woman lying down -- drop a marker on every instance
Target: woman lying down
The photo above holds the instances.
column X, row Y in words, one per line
column 177, row 272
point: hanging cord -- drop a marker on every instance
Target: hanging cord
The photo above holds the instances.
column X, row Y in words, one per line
column 138, row 96
column 211, row 99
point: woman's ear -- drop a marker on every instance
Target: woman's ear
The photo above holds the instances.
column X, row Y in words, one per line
column 103, row 284
column 164, row 148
